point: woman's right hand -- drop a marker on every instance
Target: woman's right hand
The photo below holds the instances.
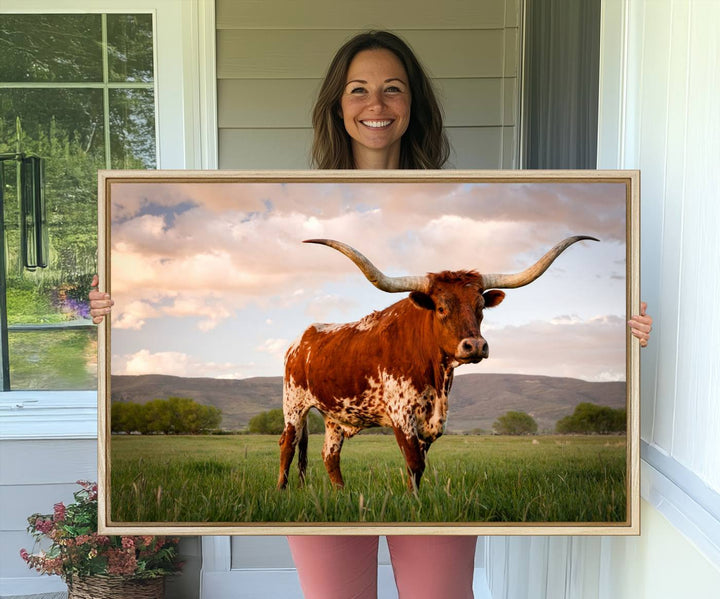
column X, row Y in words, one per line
column 100, row 302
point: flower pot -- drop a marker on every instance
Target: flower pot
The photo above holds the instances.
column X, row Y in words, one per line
column 116, row 587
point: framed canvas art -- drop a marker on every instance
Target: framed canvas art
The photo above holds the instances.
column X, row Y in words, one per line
column 369, row 352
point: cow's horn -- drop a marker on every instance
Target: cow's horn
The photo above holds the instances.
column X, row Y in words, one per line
column 499, row 281
column 381, row 281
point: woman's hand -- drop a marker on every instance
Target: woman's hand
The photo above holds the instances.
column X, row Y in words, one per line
column 641, row 325
column 100, row 302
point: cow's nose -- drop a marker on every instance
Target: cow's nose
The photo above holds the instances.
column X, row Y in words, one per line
column 472, row 348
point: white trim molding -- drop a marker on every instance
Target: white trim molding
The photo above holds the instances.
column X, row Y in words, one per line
column 683, row 498
column 201, row 132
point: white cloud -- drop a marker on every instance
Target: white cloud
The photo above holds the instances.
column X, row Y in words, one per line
column 133, row 315
column 170, row 363
column 209, row 312
column 177, row 364
column 591, row 349
column 274, row 347
column 324, row 305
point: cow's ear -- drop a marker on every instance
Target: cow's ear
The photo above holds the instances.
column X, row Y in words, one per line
column 422, row 300
column 493, row 297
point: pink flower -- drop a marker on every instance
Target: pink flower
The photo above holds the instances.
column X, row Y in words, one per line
column 93, row 492
column 43, row 526
column 53, row 565
column 59, row 510
column 121, row 562
column 71, row 554
column 128, row 543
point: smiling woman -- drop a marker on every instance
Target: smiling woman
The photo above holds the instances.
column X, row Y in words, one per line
column 391, row 85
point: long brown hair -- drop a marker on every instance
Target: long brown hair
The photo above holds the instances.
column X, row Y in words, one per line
column 424, row 145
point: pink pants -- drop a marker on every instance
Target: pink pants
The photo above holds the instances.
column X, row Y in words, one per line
column 345, row 567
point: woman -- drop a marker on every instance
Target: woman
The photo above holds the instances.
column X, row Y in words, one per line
column 376, row 109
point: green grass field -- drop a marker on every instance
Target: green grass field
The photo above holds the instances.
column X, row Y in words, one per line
column 468, row 479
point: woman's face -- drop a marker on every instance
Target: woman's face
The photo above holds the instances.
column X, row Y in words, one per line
column 375, row 105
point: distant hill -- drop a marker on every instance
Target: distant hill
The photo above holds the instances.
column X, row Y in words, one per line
column 476, row 400
column 238, row 399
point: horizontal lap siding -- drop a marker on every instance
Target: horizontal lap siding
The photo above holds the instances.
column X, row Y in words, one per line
column 306, row 54
column 349, row 14
column 35, row 475
column 271, row 59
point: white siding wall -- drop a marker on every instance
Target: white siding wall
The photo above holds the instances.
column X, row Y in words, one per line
column 35, row 475
column 673, row 134
column 272, row 56
column 660, row 84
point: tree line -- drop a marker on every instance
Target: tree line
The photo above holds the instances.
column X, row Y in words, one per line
column 182, row 415
column 174, row 415
column 588, row 418
column 272, row 423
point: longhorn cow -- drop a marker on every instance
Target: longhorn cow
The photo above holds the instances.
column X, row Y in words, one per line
column 394, row 367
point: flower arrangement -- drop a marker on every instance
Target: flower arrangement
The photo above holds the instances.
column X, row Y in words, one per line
column 77, row 551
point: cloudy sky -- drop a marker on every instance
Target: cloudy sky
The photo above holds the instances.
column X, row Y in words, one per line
column 212, row 279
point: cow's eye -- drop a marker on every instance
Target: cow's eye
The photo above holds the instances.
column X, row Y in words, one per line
column 441, row 310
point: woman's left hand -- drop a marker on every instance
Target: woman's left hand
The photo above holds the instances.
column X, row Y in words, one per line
column 641, row 325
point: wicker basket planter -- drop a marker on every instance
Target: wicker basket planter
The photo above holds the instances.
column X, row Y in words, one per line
column 116, row 587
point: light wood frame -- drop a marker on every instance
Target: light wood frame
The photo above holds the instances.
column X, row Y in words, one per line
column 630, row 179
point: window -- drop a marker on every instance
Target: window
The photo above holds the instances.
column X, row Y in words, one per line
column 78, row 91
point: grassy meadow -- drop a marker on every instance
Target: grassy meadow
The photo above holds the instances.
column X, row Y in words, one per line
column 231, row 479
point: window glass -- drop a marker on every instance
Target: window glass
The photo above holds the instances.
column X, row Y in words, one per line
column 36, row 48
column 132, row 128
column 56, row 101
column 130, row 47
column 53, row 359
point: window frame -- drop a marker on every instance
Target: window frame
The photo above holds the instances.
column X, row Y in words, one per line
column 186, row 138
